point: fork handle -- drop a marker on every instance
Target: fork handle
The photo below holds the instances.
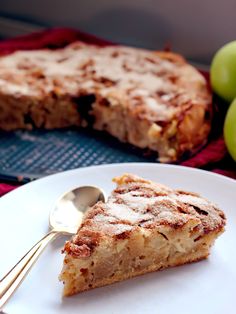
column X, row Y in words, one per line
column 10, row 282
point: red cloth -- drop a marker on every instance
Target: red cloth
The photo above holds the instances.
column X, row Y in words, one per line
column 5, row 188
column 213, row 156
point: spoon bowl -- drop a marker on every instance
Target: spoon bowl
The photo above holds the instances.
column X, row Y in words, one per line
column 68, row 212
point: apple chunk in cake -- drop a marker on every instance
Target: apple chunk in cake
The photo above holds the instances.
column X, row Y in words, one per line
column 143, row 227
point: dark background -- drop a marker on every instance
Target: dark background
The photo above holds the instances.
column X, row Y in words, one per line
column 195, row 28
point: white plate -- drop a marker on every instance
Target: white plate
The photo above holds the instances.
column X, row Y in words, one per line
column 204, row 287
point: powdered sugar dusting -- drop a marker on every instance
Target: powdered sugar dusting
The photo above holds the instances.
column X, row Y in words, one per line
column 139, row 74
column 127, row 213
column 144, row 203
column 141, row 205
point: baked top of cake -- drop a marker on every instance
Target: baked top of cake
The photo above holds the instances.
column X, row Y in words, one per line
column 143, row 226
column 155, row 77
column 117, row 87
column 139, row 203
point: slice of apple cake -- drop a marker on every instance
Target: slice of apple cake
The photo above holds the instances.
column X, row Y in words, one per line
column 143, row 227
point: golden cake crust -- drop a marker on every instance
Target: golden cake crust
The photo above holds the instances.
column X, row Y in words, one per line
column 153, row 100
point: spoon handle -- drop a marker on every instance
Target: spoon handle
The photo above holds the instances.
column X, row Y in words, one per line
column 10, row 282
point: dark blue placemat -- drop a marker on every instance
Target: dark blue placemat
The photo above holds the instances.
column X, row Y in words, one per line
column 41, row 152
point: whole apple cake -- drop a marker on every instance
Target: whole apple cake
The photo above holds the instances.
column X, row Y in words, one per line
column 152, row 100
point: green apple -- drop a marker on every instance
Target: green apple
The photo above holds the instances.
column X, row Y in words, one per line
column 230, row 129
column 223, row 72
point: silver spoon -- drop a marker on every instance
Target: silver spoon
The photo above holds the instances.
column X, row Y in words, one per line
column 65, row 218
